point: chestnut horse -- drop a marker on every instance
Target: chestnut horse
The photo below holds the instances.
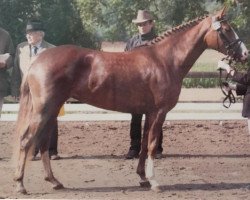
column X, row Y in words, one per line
column 146, row 80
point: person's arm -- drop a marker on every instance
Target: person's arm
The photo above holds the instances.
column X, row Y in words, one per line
column 10, row 49
column 128, row 46
column 239, row 77
column 224, row 66
column 6, row 60
column 240, row 89
column 242, row 78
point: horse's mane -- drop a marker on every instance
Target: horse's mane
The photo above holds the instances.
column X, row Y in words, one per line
column 179, row 28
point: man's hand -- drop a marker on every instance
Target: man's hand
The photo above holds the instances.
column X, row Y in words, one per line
column 228, row 86
column 2, row 65
column 223, row 66
column 3, row 60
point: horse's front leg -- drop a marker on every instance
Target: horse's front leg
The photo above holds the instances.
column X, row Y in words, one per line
column 143, row 155
column 151, row 141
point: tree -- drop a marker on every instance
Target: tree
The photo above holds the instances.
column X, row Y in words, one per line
column 87, row 22
column 111, row 19
column 239, row 15
column 62, row 22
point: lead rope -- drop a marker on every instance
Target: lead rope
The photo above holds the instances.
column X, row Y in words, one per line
column 229, row 96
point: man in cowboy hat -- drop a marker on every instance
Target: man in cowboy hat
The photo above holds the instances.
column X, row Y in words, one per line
column 145, row 24
column 26, row 52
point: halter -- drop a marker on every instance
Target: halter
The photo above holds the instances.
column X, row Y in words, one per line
column 231, row 46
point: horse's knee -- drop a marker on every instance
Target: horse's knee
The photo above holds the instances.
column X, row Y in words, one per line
column 25, row 140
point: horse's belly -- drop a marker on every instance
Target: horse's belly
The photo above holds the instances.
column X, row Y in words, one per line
column 118, row 102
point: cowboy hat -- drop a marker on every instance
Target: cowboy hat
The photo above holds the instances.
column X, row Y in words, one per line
column 142, row 16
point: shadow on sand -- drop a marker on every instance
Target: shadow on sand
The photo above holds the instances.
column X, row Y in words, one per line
column 183, row 156
column 165, row 188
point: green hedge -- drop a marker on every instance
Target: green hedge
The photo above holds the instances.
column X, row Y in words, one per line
column 200, row 82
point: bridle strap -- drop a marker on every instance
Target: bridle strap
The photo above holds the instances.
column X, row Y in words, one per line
column 230, row 46
column 229, row 96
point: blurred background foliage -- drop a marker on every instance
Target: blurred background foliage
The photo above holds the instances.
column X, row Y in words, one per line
column 88, row 22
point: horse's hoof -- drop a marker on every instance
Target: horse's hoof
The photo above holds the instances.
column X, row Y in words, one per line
column 156, row 189
column 145, row 184
column 58, row 187
column 21, row 191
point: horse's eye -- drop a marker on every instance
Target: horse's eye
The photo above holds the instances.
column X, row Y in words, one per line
column 227, row 29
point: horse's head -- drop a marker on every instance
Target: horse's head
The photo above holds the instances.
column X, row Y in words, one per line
column 223, row 38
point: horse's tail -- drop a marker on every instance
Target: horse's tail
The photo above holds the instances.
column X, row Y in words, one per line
column 26, row 105
column 24, row 116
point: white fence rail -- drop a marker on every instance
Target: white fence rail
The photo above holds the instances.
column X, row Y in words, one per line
column 182, row 111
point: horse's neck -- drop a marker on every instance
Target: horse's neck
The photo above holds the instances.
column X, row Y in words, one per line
column 186, row 48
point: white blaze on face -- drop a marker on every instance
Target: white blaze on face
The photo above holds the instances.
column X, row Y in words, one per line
column 243, row 48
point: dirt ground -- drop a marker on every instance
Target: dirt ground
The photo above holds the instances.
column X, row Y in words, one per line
column 202, row 160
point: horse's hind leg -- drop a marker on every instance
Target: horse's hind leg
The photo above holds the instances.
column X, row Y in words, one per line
column 37, row 129
column 24, row 145
column 20, row 172
column 44, row 146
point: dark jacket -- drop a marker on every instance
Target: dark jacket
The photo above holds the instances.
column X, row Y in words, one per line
column 243, row 88
column 140, row 40
column 6, row 46
column 243, row 82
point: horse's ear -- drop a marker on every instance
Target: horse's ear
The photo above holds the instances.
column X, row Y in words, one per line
column 222, row 12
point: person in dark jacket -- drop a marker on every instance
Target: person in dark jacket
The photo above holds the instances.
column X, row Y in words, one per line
column 6, row 62
column 145, row 24
column 241, row 86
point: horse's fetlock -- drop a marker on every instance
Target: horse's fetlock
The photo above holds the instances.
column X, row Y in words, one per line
column 24, row 143
column 18, row 179
column 49, row 178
